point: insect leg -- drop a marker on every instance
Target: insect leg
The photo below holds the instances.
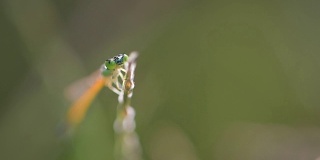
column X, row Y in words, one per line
column 115, row 90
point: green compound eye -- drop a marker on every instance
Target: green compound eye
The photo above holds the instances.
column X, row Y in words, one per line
column 120, row 59
column 125, row 58
column 110, row 64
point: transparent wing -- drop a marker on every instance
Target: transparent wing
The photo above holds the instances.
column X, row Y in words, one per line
column 79, row 108
column 82, row 92
column 76, row 89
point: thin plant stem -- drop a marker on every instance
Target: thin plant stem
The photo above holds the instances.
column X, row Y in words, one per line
column 127, row 145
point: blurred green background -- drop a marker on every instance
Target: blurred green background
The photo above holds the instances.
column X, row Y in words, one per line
column 233, row 80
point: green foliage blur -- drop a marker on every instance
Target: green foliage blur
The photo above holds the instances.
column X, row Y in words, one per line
column 234, row 80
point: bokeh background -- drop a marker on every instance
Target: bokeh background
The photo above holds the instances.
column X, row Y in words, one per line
column 233, row 80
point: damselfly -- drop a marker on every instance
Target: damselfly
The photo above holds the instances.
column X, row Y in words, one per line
column 111, row 75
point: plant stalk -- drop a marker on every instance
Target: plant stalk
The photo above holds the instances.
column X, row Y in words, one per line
column 127, row 145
